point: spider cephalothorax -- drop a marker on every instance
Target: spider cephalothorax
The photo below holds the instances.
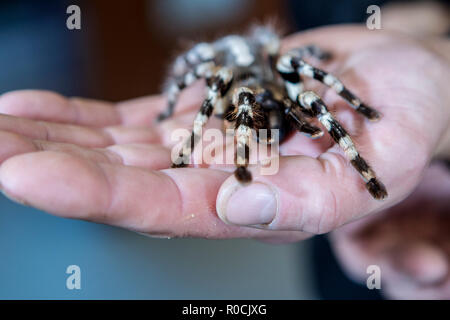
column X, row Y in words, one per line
column 252, row 86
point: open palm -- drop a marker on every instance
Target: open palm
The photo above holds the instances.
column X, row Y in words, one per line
column 108, row 162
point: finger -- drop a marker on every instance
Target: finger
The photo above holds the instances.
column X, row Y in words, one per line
column 148, row 156
column 178, row 202
column 307, row 194
column 410, row 269
column 79, row 135
column 53, row 107
column 421, row 263
column 424, row 279
column 144, row 111
column 42, row 130
column 126, row 135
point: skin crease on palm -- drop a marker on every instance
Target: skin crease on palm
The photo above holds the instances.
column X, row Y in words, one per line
column 106, row 162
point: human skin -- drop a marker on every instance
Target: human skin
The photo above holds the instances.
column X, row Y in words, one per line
column 410, row 242
column 106, row 162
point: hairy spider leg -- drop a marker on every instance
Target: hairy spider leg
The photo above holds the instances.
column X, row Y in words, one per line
column 218, row 86
column 272, row 116
column 292, row 80
column 269, row 40
column 294, row 87
column 200, row 53
column 312, row 51
column 238, row 48
column 199, row 63
column 293, row 111
column 311, row 101
column 247, row 118
column 290, row 62
column 290, row 111
column 175, row 85
column 194, row 64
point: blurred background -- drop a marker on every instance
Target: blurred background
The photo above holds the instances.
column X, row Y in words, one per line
column 122, row 51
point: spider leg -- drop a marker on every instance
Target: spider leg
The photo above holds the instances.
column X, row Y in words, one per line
column 312, row 51
column 218, row 86
column 294, row 87
column 199, row 63
column 188, row 67
column 269, row 40
column 200, row 53
column 175, row 85
column 291, row 63
column 247, row 117
column 311, row 101
column 294, row 112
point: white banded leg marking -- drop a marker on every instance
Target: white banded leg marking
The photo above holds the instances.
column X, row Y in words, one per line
column 217, row 88
column 201, row 52
column 300, row 122
column 239, row 48
column 311, row 101
column 331, row 81
column 292, row 62
column 312, row 51
column 202, row 70
column 244, row 100
column 292, row 81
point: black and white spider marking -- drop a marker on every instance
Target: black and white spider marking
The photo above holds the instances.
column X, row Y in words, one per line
column 251, row 85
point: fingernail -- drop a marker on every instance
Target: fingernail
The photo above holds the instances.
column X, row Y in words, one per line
column 255, row 204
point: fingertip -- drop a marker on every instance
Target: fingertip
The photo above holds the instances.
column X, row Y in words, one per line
column 33, row 104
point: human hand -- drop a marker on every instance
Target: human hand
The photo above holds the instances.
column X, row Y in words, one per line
column 89, row 166
column 409, row 242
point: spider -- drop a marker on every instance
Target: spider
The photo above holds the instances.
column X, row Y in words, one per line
column 252, row 86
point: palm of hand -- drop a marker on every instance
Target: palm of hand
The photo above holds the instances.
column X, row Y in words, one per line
column 106, row 163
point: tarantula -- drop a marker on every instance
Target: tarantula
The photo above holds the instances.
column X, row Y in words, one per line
column 254, row 87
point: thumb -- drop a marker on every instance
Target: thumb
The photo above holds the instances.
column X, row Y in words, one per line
column 306, row 194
